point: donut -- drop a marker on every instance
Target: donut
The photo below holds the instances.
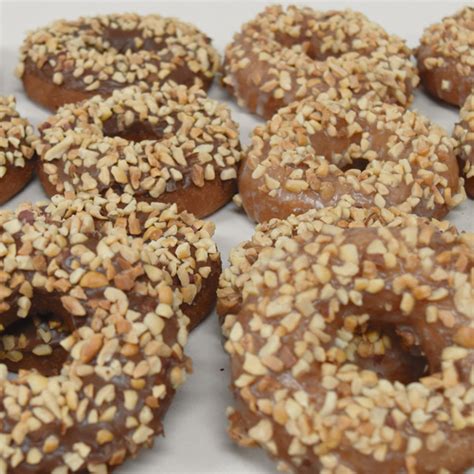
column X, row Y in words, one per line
column 17, row 155
column 310, row 296
column 127, row 278
column 284, row 55
column 70, row 61
column 446, row 57
column 34, row 342
column 370, row 350
column 464, row 133
column 168, row 144
column 317, row 151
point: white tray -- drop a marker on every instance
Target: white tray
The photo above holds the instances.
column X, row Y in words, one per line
column 196, row 439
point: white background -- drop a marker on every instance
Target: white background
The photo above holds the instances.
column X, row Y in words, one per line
column 195, row 426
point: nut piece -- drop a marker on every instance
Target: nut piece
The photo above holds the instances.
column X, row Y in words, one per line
column 94, row 280
column 73, row 305
column 91, row 348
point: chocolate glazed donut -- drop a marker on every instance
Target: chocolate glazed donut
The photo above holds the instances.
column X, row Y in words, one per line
column 464, row 134
column 446, row 57
column 69, row 61
column 304, row 301
column 127, row 279
column 316, row 152
column 17, row 155
column 400, row 362
column 168, row 144
column 284, row 55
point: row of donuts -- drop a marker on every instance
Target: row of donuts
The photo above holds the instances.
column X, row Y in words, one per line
column 201, row 169
column 169, row 144
column 305, row 352
column 335, row 363
column 282, row 55
column 101, row 285
column 340, row 329
column 308, row 155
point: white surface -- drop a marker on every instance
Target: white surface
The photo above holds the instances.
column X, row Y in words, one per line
column 196, row 439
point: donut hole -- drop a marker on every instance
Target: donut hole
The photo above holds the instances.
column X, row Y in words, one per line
column 137, row 131
column 33, row 343
column 126, row 41
column 313, row 47
column 337, row 149
column 390, row 351
column 120, row 41
column 359, row 164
